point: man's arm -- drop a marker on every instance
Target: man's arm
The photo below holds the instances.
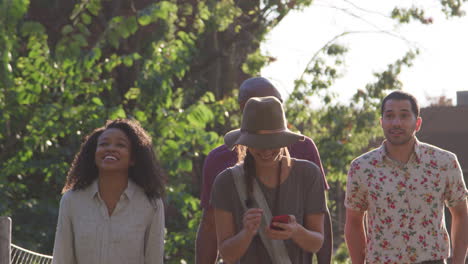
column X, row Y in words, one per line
column 206, row 248
column 324, row 255
column 310, row 153
column 206, row 244
column 459, row 232
column 355, row 236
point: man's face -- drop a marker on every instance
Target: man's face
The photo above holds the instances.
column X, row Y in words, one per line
column 398, row 122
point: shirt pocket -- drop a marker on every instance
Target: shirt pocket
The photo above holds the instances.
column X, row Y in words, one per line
column 128, row 242
column 85, row 233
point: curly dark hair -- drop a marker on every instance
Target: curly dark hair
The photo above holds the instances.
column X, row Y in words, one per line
column 146, row 171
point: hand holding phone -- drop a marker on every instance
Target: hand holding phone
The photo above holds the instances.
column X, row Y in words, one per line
column 281, row 219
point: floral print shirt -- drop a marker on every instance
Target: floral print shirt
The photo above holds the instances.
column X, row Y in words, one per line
column 405, row 202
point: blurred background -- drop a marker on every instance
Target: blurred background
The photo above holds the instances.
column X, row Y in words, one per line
column 175, row 66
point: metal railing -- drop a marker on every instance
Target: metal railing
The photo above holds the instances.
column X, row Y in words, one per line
column 5, row 240
column 13, row 254
column 21, row 255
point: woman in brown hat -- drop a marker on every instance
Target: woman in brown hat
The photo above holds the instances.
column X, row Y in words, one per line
column 269, row 208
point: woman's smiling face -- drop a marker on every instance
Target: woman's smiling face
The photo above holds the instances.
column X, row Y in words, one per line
column 113, row 151
column 265, row 157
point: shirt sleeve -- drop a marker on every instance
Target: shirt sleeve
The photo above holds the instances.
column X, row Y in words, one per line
column 208, row 178
column 315, row 201
column 64, row 249
column 455, row 189
column 356, row 190
column 154, row 244
column 312, row 154
column 224, row 191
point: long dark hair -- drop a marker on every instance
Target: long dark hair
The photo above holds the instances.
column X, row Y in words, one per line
column 249, row 168
column 146, row 171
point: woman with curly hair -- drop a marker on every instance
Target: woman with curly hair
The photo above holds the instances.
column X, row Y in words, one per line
column 111, row 210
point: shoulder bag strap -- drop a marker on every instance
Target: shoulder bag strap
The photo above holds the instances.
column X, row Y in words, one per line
column 276, row 248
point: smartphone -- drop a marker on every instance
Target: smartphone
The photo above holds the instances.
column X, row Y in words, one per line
column 279, row 218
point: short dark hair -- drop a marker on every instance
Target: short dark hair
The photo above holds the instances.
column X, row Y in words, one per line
column 401, row 95
column 146, row 171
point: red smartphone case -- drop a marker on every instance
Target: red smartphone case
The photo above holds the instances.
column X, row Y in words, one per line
column 279, row 218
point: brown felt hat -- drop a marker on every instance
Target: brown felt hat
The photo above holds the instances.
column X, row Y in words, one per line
column 263, row 126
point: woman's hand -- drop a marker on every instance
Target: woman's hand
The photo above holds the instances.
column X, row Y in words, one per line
column 287, row 232
column 251, row 220
column 231, row 244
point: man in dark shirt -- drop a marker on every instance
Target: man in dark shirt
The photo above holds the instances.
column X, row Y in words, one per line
column 222, row 158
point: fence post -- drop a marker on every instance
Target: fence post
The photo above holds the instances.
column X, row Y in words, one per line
column 5, row 239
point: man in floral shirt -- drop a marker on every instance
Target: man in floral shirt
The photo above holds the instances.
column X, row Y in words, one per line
column 403, row 186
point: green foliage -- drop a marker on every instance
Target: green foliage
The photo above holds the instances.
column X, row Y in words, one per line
column 164, row 64
column 225, row 12
column 254, row 62
column 101, row 61
column 342, row 255
column 453, row 7
column 179, row 242
column 404, row 15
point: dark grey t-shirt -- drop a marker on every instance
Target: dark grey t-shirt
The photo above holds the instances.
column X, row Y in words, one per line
column 301, row 193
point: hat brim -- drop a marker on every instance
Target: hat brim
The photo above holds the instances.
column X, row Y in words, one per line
column 261, row 141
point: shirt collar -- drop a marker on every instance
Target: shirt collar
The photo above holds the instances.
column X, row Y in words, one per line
column 382, row 152
column 418, row 151
column 93, row 189
column 128, row 192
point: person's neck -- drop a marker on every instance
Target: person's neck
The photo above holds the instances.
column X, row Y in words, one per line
column 401, row 153
column 268, row 174
column 111, row 186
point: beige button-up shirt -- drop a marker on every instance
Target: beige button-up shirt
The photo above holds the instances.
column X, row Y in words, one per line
column 405, row 202
column 86, row 234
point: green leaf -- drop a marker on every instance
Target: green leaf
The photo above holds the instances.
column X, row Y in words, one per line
column 185, row 165
column 164, row 10
column 128, row 61
column 141, row 116
column 97, row 101
column 118, row 112
column 136, row 56
column 29, row 28
column 172, row 144
column 133, row 93
column 94, row 7
column 67, row 29
column 83, row 29
column 200, row 116
column 132, row 25
column 144, row 20
column 86, row 18
column 208, row 97
column 80, row 40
